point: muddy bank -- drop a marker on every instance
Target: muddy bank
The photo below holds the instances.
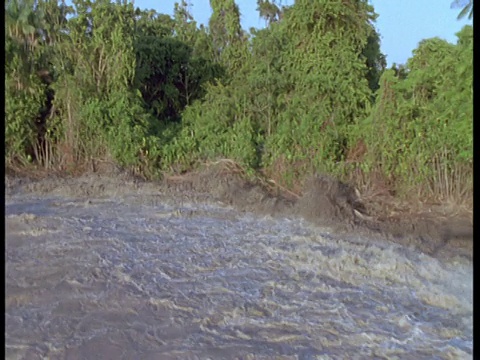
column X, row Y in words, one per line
column 325, row 202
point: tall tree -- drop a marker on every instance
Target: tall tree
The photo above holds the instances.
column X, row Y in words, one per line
column 229, row 39
column 323, row 61
column 24, row 91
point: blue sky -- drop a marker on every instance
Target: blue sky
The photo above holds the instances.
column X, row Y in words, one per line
column 402, row 24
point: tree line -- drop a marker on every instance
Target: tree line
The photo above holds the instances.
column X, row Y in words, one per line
column 101, row 81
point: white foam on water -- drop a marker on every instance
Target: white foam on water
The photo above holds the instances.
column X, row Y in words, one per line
column 205, row 279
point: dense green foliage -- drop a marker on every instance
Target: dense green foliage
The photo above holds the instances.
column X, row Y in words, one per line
column 420, row 131
column 101, row 81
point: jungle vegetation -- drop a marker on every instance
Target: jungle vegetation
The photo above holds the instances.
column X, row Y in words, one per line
column 105, row 81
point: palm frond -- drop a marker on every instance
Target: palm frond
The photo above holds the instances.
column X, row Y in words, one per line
column 466, row 6
column 457, row 4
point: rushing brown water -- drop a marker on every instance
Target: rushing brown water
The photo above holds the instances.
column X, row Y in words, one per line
column 140, row 277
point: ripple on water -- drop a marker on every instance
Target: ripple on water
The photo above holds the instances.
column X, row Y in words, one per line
column 134, row 280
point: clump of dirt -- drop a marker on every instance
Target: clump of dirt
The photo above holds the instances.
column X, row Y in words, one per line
column 329, row 202
column 226, row 182
column 325, row 202
column 433, row 233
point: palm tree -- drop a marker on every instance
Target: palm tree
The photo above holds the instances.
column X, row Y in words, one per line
column 22, row 20
column 21, row 40
column 15, row 19
column 467, row 8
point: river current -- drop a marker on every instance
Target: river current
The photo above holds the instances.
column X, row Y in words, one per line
column 144, row 278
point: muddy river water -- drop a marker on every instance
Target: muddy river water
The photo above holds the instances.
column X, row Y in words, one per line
column 129, row 277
